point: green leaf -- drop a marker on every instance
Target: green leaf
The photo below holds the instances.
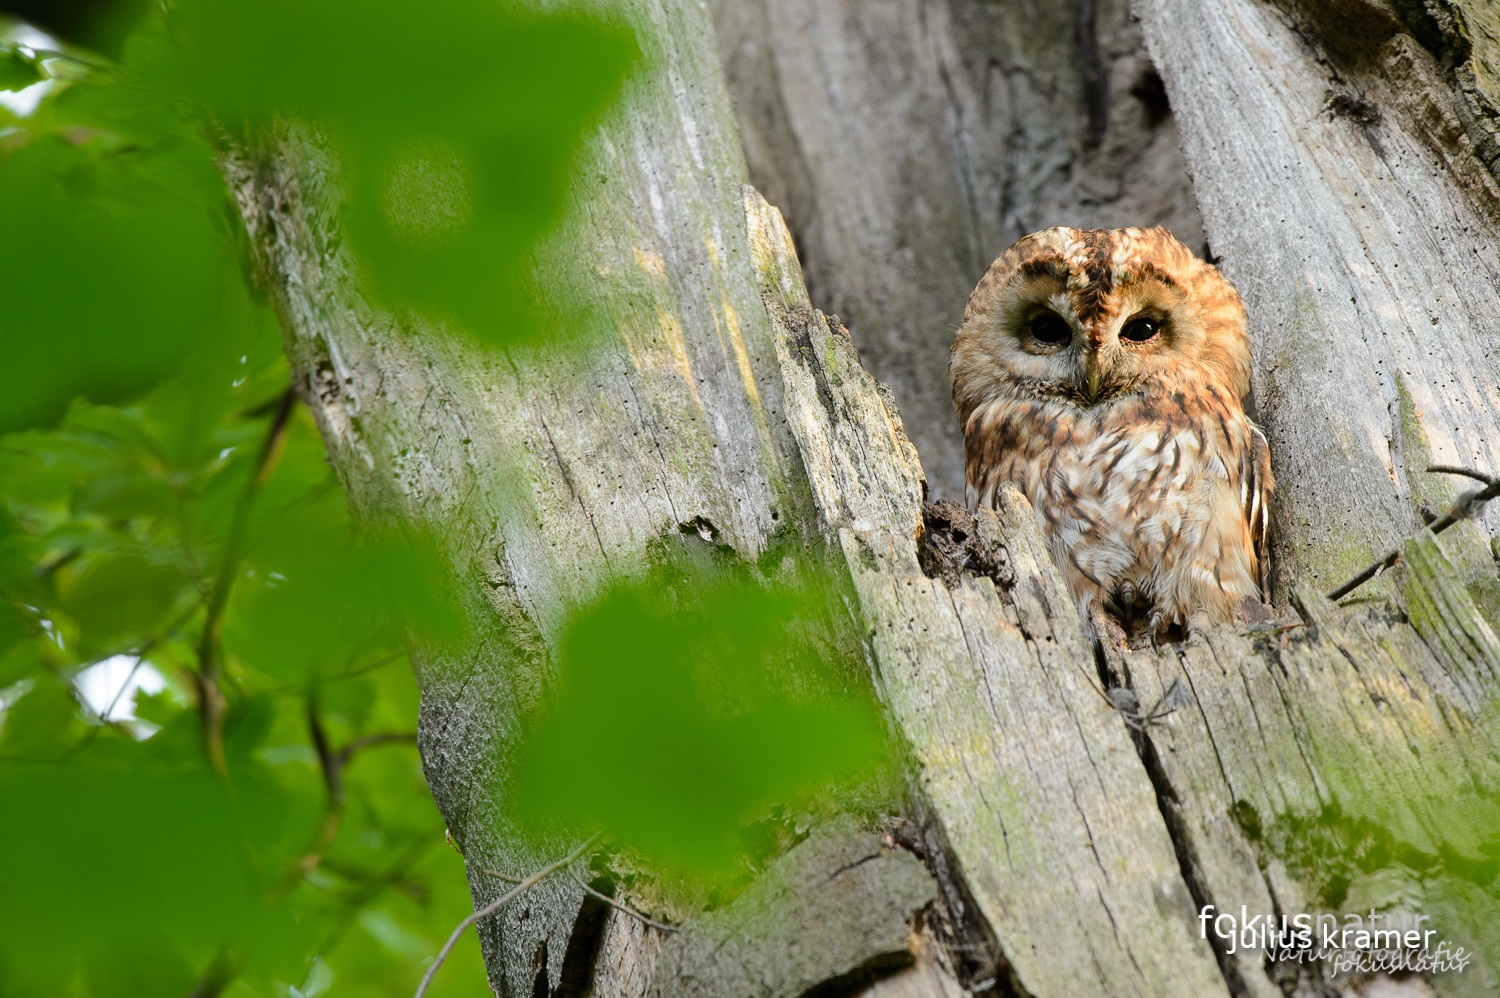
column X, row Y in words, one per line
column 667, row 731
column 19, row 662
column 455, row 134
column 16, row 625
column 156, row 850
column 116, row 595
column 317, row 598
column 114, row 269
column 17, row 72
column 158, row 708
column 39, row 724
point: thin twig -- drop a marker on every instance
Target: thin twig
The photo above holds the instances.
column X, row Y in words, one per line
column 210, row 695
column 1449, row 469
column 1468, row 504
column 369, row 741
column 625, row 907
column 504, row 876
column 333, row 765
column 218, row 975
column 495, row 905
column 353, row 673
column 368, row 887
column 601, row 896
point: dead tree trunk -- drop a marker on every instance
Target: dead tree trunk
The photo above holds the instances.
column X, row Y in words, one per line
column 1067, row 847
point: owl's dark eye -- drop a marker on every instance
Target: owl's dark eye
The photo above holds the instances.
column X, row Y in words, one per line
column 1140, row 330
column 1049, row 328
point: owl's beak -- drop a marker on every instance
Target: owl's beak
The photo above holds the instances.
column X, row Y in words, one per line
column 1091, row 372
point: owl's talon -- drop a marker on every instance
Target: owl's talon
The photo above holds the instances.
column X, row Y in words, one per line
column 1126, row 599
column 1153, row 624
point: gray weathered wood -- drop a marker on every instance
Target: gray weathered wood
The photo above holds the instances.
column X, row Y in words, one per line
column 836, row 907
column 908, row 142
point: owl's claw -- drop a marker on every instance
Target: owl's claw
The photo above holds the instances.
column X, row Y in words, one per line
column 1126, row 599
column 1153, row 624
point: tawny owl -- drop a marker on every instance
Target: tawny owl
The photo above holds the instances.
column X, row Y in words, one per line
column 1102, row 371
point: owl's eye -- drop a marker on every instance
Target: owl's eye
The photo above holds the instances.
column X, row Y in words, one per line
column 1140, row 330
column 1049, row 328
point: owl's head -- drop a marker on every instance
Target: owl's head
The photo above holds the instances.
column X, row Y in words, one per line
column 1093, row 316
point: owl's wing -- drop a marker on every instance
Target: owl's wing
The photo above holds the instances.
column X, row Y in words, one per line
column 1255, row 496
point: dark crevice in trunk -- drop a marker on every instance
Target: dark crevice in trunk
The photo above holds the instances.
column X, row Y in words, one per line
column 974, row 951
column 1095, row 75
column 577, row 976
column 1115, row 675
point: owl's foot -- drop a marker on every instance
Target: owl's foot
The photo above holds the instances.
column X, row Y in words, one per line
column 1160, row 621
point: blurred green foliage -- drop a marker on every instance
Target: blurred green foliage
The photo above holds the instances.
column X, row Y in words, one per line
column 134, row 863
column 165, row 504
column 455, row 123
column 140, row 385
column 690, row 706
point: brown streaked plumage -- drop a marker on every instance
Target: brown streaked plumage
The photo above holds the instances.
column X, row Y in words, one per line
column 1102, row 371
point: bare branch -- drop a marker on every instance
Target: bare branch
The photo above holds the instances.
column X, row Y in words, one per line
column 495, row 905
column 1448, row 469
column 1465, row 508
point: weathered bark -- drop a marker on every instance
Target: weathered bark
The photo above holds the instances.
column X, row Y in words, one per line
column 702, row 393
column 908, row 142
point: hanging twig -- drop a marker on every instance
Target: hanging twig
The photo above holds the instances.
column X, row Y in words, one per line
column 210, row 694
column 1468, row 505
column 495, row 905
column 333, row 765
